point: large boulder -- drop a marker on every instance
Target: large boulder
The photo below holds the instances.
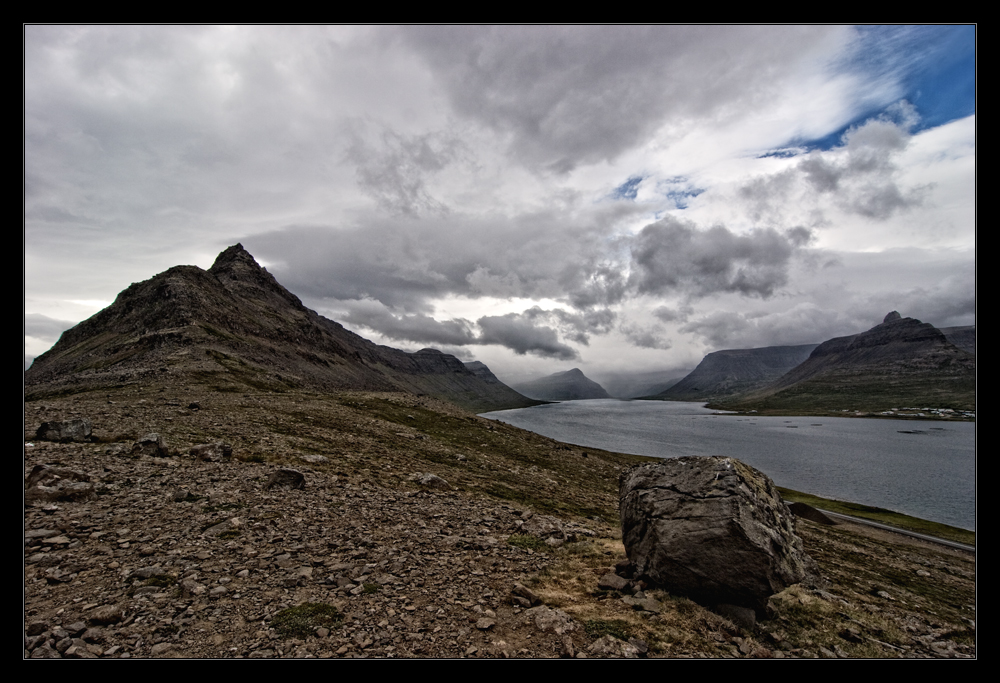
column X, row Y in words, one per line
column 711, row 528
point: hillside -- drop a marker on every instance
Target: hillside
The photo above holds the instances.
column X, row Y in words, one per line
column 901, row 362
column 418, row 529
column 571, row 385
column 735, row 371
column 181, row 557
column 234, row 327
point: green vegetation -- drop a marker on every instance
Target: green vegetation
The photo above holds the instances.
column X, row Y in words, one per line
column 526, row 542
column 882, row 516
column 619, row 628
column 302, row 620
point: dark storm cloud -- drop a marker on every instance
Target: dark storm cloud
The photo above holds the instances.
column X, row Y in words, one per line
column 406, row 262
column 416, row 328
column 519, row 333
column 584, row 94
column 672, row 255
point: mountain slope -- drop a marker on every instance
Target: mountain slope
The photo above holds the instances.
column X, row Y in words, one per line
column 571, row 385
column 901, row 362
column 736, row 371
column 234, row 326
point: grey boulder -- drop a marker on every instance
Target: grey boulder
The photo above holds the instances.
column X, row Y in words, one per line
column 711, row 528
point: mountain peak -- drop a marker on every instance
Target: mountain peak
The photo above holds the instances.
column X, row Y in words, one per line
column 233, row 259
column 890, row 316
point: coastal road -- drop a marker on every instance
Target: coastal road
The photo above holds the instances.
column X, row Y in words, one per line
column 932, row 539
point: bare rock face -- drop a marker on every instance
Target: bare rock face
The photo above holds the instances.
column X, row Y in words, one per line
column 711, row 528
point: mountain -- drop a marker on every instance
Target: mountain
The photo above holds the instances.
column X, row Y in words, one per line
column 901, row 362
column 233, row 326
column 640, row 383
column 963, row 337
column 571, row 385
column 736, row 371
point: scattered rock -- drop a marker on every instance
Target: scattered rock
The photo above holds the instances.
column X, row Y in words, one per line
column 547, row 528
column 212, row 452
column 548, row 619
column 524, row 596
column 613, row 582
column 711, row 528
column 107, row 614
column 286, row 478
column 430, row 480
column 49, row 484
column 151, row 445
column 67, row 430
column 609, row 646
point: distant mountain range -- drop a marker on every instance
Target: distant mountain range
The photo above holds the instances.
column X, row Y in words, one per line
column 901, row 362
column 736, row 371
column 232, row 327
column 571, row 385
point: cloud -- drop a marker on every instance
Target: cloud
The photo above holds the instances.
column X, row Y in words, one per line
column 415, row 327
column 673, row 255
column 803, row 323
column 645, row 336
column 860, row 177
column 518, row 333
column 391, row 168
column 571, row 95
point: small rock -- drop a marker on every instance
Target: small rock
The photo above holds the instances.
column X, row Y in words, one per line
column 151, row 445
column 212, row 452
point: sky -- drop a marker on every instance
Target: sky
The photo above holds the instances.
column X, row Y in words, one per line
column 620, row 199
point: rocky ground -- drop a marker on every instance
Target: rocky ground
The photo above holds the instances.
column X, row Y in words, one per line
column 170, row 555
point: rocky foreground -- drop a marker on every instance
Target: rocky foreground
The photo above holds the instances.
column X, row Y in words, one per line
column 419, row 530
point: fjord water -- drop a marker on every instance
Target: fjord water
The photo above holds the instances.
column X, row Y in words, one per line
column 928, row 473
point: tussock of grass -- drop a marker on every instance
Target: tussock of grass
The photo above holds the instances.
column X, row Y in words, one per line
column 527, row 542
column 302, row 620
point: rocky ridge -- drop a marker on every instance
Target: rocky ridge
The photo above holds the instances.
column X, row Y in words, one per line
column 233, row 326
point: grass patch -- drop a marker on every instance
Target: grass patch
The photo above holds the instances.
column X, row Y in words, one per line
column 619, row 628
column 882, row 516
column 370, row 588
column 526, row 542
column 302, row 620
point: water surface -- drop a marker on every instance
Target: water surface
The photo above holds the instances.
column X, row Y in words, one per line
column 928, row 474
